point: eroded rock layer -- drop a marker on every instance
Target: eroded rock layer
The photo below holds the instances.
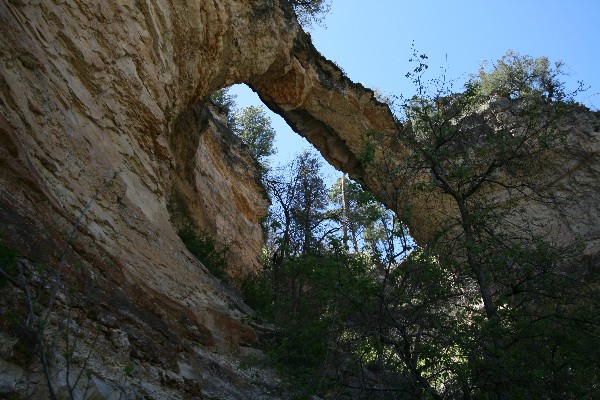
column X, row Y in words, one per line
column 102, row 122
column 97, row 125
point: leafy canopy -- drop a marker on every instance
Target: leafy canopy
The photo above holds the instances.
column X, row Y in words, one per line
column 309, row 11
column 225, row 101
column 487, row 309
column 253, row 126
column 517, row 76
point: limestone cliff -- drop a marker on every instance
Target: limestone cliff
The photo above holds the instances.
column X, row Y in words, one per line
column 101, row 105
column 102, row 121
column 216, row 183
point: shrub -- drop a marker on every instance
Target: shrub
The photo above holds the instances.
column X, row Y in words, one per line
column 517, row 76
column 204, row 248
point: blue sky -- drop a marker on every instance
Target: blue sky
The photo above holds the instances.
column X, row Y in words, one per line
column 371, row 41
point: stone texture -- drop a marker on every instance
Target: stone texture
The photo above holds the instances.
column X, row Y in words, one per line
column 552, row 197
column 92, row 96
column 101, row 109
column 215, row 182
column 333, row 113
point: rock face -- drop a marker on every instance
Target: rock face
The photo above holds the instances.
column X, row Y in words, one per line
column 216, row 185
column 102, row 124
column 102, row 120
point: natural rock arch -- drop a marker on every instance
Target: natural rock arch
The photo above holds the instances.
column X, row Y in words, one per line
column 91, row 90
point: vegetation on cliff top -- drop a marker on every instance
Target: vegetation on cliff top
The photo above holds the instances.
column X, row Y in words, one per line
column 310, row 11
column 486, row 309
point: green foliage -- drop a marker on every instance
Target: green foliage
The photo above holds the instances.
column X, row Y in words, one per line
column 309, row 302
column 311, row 11
column 205, row 249
column 363, row 209
column 367, row 154
column 372, row 228
column 259, row 293
column 297, row 216
column 225, row 102
column 253, row 126
column 308, row 206
column 198, row 242
column 486, row 309
column 517, row 76
column 129, row 370
column 512, row 301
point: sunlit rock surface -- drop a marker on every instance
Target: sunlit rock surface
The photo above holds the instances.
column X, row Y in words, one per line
column 102, row 122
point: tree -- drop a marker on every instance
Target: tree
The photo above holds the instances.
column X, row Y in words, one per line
column 225, row 102
column 308, row 206
column 294, row 226
column 373, row 229
column 490, row 307
column 253, row 126
column 351, row 210
column 328, row 303
column 309, row 11
column 518, row 76
column 299, row 199
column 513, row 298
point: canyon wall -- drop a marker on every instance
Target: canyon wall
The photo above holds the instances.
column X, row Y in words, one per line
column 103, row 122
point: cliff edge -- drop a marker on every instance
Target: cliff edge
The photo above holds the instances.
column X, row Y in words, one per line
column 103, row 119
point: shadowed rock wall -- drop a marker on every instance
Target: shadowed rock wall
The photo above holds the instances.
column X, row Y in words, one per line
column 109, row 95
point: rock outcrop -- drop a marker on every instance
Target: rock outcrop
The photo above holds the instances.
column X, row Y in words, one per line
column 215, row 185
column 102, row 122
column 315, row 97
